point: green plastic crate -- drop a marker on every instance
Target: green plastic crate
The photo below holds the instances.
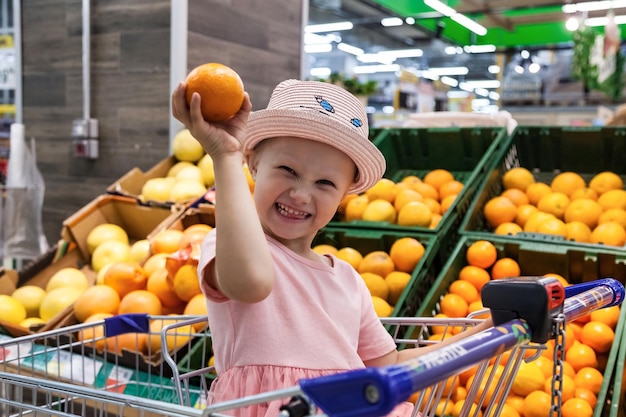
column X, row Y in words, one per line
column 547, row 151
column 466, row 152
column 576, row 264
column 611, row 390
column 366, row 241
column 198, row 358
column 538, row 258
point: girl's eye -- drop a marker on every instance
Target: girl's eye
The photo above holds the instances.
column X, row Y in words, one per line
column 289, row 170
column 326, row 182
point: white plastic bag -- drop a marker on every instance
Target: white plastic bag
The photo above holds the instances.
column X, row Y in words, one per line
column 23, row 204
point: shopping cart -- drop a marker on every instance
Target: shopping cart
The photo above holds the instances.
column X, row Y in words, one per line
column 75, row 371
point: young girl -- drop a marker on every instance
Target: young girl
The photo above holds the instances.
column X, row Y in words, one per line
column 280, row 312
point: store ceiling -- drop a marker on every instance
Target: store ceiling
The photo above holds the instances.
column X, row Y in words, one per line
column 511, row 24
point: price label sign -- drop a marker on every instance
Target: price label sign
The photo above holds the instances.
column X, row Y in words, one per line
column 7, row 68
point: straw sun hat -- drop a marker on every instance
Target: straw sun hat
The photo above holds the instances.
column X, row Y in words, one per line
column 325, row 113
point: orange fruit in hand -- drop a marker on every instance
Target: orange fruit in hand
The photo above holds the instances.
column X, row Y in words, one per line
column 505, row 267
column 499, row 210
column 481, row 253
column 220, row 88
column 406, row 253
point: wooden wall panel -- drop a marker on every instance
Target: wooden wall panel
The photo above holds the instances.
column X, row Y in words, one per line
column 130, row 52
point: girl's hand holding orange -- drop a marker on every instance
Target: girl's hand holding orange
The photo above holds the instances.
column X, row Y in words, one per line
column 214, row 107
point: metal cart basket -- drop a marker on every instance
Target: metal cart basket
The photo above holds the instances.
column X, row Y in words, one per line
column 80, row 370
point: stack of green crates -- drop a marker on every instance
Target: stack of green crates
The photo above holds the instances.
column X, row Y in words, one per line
column 576, row 264
column 465, row 152
column 546, row 152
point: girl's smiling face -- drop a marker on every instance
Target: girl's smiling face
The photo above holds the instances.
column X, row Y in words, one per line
column 299, row 184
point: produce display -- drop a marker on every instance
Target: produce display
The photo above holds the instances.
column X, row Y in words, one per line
column 410, row 202
column 568, row 206
column 189, row 177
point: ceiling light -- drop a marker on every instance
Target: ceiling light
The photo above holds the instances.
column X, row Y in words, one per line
column 589, row 6
column 482, row 92
column 350, row 49
column 475, row 27
column 402, row 53
column 457, row 94
column 525, row 54
column 483, row 83
column 371, row 69
column 449, row 71
column 534, row 68
column 479, row 49
column 449, row 81
column 494, row 96
column 319, row 48
column 461, row 19
column 465, row 87
column 440, row 7
column 451, row 50
column 371, row 58
column 320, row 72
column 312, row 38
column 409, row 20
column 391, row 21
column 519, row 69
column 602, row 21
column 572, row 24
column 328, row 27
column 493, row 69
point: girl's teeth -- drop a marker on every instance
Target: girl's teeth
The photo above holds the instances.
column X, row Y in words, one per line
column 288, row 211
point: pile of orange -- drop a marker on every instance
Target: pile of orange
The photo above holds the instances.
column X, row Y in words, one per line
column 386, row 273
column 588, row 212
column 413, row 201
column 148, row 288
column 588, row 341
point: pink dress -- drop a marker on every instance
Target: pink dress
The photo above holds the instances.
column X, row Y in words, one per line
column 318, row 320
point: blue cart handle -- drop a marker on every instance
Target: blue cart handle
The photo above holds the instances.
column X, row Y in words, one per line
column 616, row 287
column 373, row 392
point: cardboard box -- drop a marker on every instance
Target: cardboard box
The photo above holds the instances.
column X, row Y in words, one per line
column 131, row 183
column 9, row 281
column 203, row 214
column 138, row 220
